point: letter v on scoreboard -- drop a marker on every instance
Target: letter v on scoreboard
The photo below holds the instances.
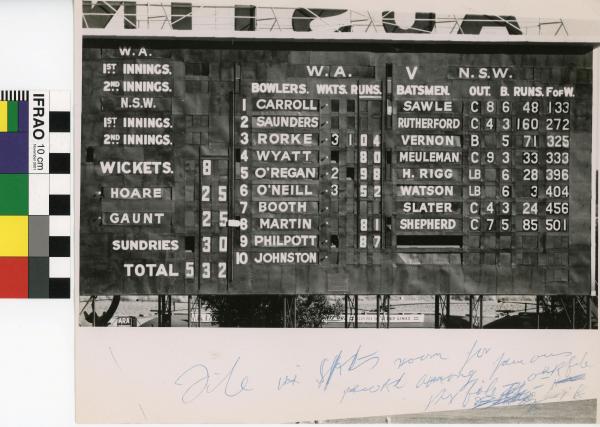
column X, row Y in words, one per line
column 35, row 194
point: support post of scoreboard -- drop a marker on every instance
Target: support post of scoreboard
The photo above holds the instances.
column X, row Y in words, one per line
column 189, row 311
column 386, row 303
column 346, row 299
column 356, row 311
column 436, row 314
column 574, row 312
column 588, row 306
column 442, row 310
column 289, row 311
column 378, row 309
column 475, row 311
column 93, row 310
column 350, row 305
column 383, row 304
column 164, row 311
column 295, row 311
column 537, row 310
column 471, row 303
column 194, row 306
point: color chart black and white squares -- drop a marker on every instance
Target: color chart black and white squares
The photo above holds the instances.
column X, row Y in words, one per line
column 59, row 203
column 35, row 194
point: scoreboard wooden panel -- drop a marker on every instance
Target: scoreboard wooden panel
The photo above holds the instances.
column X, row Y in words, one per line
column 319, row 168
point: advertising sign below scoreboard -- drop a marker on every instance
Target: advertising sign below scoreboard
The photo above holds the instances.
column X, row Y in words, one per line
column 372, row 318
column 293, row 168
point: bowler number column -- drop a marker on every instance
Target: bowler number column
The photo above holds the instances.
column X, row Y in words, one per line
column 242, row 208
column 276, row 203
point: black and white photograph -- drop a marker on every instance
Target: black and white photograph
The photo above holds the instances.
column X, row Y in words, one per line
column 332, row 183
column 299, row 211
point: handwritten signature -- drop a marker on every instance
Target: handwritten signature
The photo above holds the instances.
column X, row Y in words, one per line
column 198, row 379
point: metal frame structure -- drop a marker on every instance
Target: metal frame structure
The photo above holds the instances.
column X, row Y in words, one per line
column 442, row 310
column 165, row 311
column 212, row 18
column 352, row 304
column 383, row 303
column 476, row 311
column 194, row 309
column 93, row 301
column 566, row 311
column 290, row 308
column 577, row 309
column 94, row 318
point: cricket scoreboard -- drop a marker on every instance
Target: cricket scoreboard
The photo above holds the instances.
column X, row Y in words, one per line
column 242, row 167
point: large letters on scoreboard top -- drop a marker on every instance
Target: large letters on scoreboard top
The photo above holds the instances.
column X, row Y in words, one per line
column 239, row 170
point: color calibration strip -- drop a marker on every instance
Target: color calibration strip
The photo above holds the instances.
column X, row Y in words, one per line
column 35, row 194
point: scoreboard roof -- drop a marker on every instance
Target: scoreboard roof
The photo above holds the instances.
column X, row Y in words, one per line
column 489, row 20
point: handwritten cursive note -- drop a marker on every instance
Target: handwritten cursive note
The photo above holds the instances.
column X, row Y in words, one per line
column 477, row 382
column 306, row 375
column 199, row 379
